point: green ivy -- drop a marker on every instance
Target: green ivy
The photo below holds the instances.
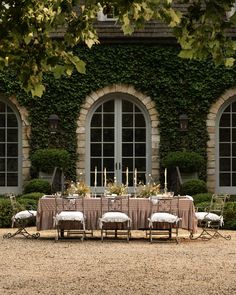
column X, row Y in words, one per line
column 177, row 86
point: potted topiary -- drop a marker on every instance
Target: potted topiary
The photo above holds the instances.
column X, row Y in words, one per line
column 45, row 161
column 188, row 163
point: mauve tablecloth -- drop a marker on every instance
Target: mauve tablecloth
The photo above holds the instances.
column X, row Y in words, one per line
column 139, row 211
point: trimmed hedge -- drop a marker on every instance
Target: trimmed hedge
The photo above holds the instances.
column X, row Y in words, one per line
column 187, row 161
column 47, row 159
column 193, row 186
column 37, row 185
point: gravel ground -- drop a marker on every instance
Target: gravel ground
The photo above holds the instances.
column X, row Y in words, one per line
column 116, row 267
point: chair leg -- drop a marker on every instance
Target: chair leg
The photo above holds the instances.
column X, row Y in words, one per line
column 208, row 234
column 22, row 231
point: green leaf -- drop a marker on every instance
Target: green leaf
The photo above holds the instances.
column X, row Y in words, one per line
column 37, row 90
column 229, row 62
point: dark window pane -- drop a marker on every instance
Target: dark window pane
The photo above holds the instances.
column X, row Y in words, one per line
column 140, row 135
column 137, row 109
column 2, row 164
column 12, row 150
column 233, row 120
column 108, row 149
column 12, row 135
column 140, row 149
column 127, row 120
column 234, row 134
column 224, row 179
column 234, row 149
column 2, row 107
column 108, row 135
column 12, row 165
column 127, row 135
column 2, row 179
column 96, row 120
column 130, row 178
column 2, row 135
column 96, row 162
column 109, row 164
column 2, row 150
column 99, row 109
column 225, row 164
column 9, row 109
column 127, row 150
column 141, row 178
column 127, row 106
column 12, row 120
column 224, row 135
column 234, row 179
column 108, row 120
column 2, row 121
column 225, row 120
column 108, row 106
column 234, row 164
column 127, row 162
column 140, row 164
column 224, row 149
column 139, row 120
column 12, row 179
column 96, row 135
column 96, row 150
column 110, row 177
column 234, row 106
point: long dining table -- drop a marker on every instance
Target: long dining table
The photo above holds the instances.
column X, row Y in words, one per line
column 139, row 211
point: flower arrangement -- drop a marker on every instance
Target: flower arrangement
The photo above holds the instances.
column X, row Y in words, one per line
column 77, row 188
column 145, row 191
column 118, row 189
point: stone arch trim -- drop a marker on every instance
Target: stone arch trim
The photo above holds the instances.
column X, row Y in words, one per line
column 25, row 136
column 211, row 144
column 148, row 103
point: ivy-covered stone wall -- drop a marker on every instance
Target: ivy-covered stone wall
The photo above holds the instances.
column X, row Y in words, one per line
column 177, row 86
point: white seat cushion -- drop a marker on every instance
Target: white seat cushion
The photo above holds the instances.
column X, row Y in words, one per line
column 69, row 216
column 209, row 217
column 114, row 217
column 164, row 217
column 25, row 214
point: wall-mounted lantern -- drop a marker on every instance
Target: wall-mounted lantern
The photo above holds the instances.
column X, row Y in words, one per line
column 183, row 121
column 53, row 121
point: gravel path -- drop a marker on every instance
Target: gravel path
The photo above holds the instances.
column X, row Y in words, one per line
column 117, row 267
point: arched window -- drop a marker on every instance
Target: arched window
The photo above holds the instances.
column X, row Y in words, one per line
column 9, row 148
column 227, row 148
column 118, row 141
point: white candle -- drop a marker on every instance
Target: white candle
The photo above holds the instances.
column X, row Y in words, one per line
column 165, row 178
column 135, row 177
column 127, row 176
column 95, row 177
column 105, row 177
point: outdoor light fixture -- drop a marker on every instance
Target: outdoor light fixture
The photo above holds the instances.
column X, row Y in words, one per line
column 183, row 121
column 53, row 123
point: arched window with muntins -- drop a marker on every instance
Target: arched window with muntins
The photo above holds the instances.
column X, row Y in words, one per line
column 227, row 149
column 119, row 136
column 9, row 148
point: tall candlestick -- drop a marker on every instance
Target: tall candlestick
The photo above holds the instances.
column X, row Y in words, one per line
column 105, row 177
column 127, row 176
column 135, row 177
column 165, row 179
column 95, row 177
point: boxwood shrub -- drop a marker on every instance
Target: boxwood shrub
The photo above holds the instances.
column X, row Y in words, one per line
column 185, row 160
column 47, row 159
column 193, row 187
column 37, row 185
